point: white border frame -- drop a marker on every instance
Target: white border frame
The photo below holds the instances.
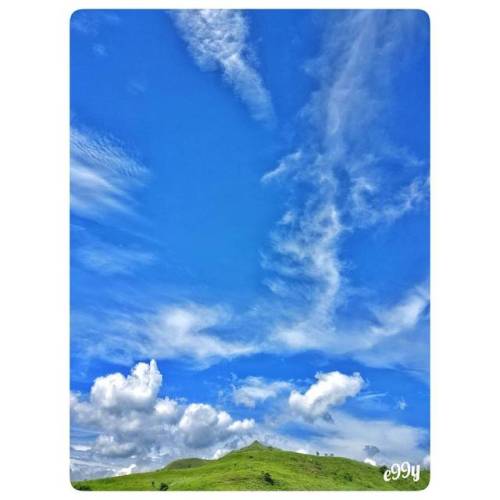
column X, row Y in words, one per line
column 34, row 202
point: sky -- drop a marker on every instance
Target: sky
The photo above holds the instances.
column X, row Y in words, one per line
column 249, row 235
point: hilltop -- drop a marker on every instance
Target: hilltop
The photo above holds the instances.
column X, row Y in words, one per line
column 259, row 467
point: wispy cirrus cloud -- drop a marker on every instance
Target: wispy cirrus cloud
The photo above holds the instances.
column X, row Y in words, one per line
column 103, row 175
column 402, row 316
column 110, row 259
column 399, row 335
column 305, row 271
column 90, row 23
column 338, row 183
column 189, row 331
column 218, row 41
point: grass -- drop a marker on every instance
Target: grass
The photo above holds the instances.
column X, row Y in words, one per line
column 259, row 467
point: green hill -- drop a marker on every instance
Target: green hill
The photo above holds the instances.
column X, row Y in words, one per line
column 259, row 467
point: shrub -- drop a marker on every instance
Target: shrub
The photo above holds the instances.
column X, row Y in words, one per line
column 163, row 486
column 348, row 476
column 268, row 478
column 382, row 469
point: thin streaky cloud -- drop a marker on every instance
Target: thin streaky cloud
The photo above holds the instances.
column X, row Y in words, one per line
column 110, row 259
column 253, row 390
column 353, row 74
column 103, row 175
column 187, row 331
column 218, row 41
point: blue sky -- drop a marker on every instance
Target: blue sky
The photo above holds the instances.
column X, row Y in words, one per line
column 250, row 210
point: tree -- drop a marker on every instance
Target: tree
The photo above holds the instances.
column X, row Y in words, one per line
column 163, row 486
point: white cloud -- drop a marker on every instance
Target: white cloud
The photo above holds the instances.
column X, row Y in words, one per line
column 404, row 315
column 408, row 351
column 125, row 471
column 370, row 461
column 401, row 404
column 109, row 260
column 202, row 425
column 396, row 442
column 103, row 175
column 84, row 469
column 81, row 447
column 127, row 426
column 287, row 165
column 108, row 446
column 219, row 453
column 217, row 39
column 353, row 73
column 306, row 273
column 363, row 196
column 100, row 50
column 188, row 331
column 305, row 255
column 344, row 435
column 331, row 389
column 90, row 23
column 254, row 390
column 395, row 336
column 399, row 336
column 137, row 391
column 130, row 420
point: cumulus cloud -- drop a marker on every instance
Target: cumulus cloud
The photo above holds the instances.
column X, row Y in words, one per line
column 137, row 391
column 217, row 39
column 103, row 175
column 331, row 389
column 125, row 426
column 201, row 425
column 254, row 390
column 131, row 421
column 109, row 446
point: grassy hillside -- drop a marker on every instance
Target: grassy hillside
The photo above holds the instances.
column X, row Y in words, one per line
column 259, row 467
